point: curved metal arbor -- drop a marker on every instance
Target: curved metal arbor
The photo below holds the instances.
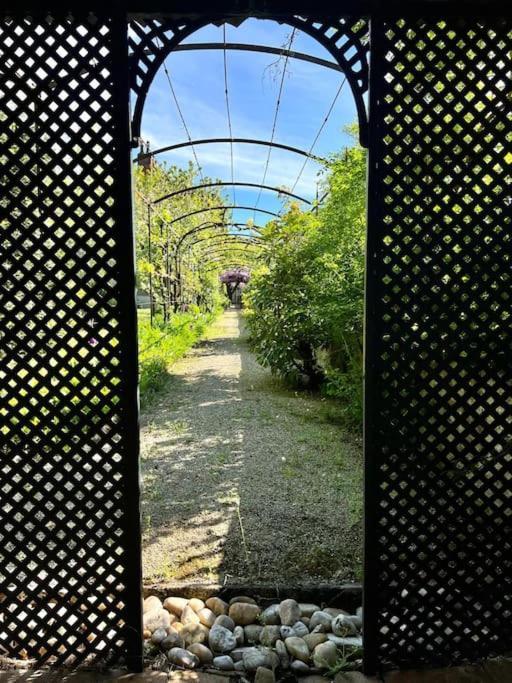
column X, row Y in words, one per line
column 213, row 226
column 226, row 208
column 226, row 183
column 346, row 39
column 213, row 141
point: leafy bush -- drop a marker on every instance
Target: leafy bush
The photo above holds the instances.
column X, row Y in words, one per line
column 164, row 343
column 305, row 305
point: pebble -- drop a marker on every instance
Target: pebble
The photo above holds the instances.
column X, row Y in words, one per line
column 352, row 641
column 342, row 626
column 221, row 640
column 156, row 619
column 194, row 633
column 146, row 634
column 224, row 663
column 177, row 655
column 188, row 616
column 269, row 635
column 244, row 613
column 196, row 604
column 270, row 616
column 305, row 620
column 151, row 603
column 252, row 633
column 357, row 621
column 264, row 675
column 238, row 653
column 204, row 655
column 177, row 626
column 172, row 639
column 299, row 667
column 325, row 655
column 314, row 639
column 239, row 635
column 175, row 605
column 321, row 619
column 307, row 609
column 286, row 632
column 298, row 648
column 242, row 598
column 289, row 612
column 299, row 629
column 334, row 611
column 225, row 621
column 158, row 635
column 217, row 606
column 255, row 656
column 239, row 666
column 359, row 612
column 206, row 617
column 282, row 653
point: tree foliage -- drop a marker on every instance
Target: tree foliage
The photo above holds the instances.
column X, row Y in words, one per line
column 305, row 303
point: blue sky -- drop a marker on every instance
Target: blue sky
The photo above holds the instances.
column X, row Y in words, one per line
column 198, row 79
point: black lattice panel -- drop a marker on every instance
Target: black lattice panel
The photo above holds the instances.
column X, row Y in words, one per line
column 439, row 394
column 68, row 522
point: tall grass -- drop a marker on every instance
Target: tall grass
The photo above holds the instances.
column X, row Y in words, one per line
column 162, row 344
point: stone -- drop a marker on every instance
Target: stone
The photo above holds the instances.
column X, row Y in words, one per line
column 239, row 666
column 177, row 626
column 269, row 635
column 289, row 612
column 224, row 663
column 172, row 639
column 221, row 640
column 357, row 621
column 238, row 653
column 300, row 630
column 307, row 609
column 252, row 633
column 335, row 611
column 270, row 616
column 244, row 613
column 314, row 639
column 181, row 657
column 225, row 621
column 242, row 598
column 342, row 626
column 254, row 657
column 305, row 620
column 217, row 606
column 175, row 605
column 321, row 619
column 188, row 616
column 196, row 604
column 158, row 635
column 151, row 603
column 286, row 632
column 206, row 617
column 239, row 634
column 325, row 655
column 298, row 648
column 204, row 655
column 146, row 634
column 299, row 667
column 264, row 675
column 349, row 641
column 282, row 653
column 359, row 612
column 156, row 619
column 194, row 633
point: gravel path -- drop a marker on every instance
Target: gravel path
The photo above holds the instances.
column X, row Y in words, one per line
column 245, row 481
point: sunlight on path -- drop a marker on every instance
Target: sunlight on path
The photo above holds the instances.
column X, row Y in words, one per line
column 243, row 480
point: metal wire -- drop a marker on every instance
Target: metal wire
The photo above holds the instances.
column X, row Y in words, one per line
column 226, row 93
column 276, row 114
column 319, row 132
column 183, row 122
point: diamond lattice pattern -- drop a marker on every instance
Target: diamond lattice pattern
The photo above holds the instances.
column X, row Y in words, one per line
column 443, row 460
column 62, row 510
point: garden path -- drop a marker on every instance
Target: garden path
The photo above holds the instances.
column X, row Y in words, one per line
column 245, row 481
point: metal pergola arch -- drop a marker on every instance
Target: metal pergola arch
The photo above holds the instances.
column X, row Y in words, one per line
column 231, row 207
column 211, row 141
column 227, row 239
column 206, row 186
column 214, row 226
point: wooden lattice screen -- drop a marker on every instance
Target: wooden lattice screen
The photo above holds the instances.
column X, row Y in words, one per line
column 439, row 338
column 69, row 526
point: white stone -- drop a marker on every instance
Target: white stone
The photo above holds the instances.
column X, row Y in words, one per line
column 175, row 605
column 183, row 658
column 342, row 626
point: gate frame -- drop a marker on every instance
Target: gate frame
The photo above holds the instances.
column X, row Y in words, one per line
column 376, row 12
